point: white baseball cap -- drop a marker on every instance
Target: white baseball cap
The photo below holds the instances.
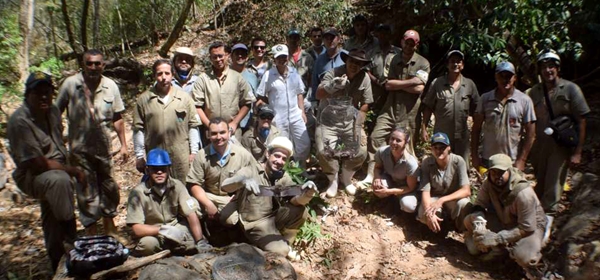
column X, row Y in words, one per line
column 279, row 50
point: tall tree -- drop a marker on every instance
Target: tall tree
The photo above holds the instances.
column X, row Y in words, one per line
column 26, row 16
column 176, row 29
column 83, row 25
column 68, row 26
column 96, row 30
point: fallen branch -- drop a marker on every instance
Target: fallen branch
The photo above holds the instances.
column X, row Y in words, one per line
column 130, row 265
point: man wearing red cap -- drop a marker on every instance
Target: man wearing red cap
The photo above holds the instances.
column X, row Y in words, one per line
column 405, row 83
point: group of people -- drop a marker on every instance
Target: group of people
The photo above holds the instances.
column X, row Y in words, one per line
column 213, row 145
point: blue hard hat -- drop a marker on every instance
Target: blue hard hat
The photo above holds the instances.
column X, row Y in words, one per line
column 158, row 157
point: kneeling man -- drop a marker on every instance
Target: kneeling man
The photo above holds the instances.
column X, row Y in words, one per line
column 156, row 208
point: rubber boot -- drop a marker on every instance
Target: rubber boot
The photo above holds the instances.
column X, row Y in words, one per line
column 346, row 180
column 367, row 181
column 333, row 185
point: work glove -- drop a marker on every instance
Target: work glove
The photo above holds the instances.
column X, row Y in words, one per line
column 203, row 246
column 234, row 183
column 252, row 186
column 172, row 233
column 336, row 84
column 509, row 235
column 488, row 239
column 308, row 191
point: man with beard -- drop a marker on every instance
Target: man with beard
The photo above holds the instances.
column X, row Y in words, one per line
column 36, row 146
column 405, row 83
column 515, row 218
column 184, row 76
column 256, row 138
column 550, row 159
column 503, row 114
column 343, row 88
column 94, row 106
column 213, row 164
column 451, row 98
column 269, row 213
column 445, row 186
column 222, row 92
column 156, row 207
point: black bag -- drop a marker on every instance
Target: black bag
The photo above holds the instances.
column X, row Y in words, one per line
column 95, row 253
column 564, row 129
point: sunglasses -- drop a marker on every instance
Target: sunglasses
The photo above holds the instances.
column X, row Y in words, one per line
column 90, row 63
column 268, row 117
column 259, row 47
column 215, row 56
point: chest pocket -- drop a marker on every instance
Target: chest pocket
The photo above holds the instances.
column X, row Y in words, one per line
column 104, row 107
column 181, row 116
column 562, row 105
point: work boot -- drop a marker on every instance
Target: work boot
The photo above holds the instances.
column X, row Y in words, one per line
column 346, row 180
column 367, row 181
column 333, row 185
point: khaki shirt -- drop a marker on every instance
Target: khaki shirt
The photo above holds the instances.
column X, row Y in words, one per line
column 359, row 88
column 503, row 123
column 524, row 212
column 440, row 183
column 89, row 126
column 255, row 145
column 252, row 207
column 165, row 125
column 451, row 109
column 400, row 104
column 147, row 206
column 399, row 170
column 380, row 65
column 30, row 138
column 304, row 67
column 222, row 99
column 208, row 171
column 367, row 45
column 566, row 99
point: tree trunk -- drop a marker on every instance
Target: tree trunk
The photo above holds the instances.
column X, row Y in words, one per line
column 96, row 38
column 83, row 25
column 176, row 30
column 68, row 27
column 26, row 15
column 51, row 14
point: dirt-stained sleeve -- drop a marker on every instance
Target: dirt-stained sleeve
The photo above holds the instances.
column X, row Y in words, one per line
column 186, row 202
column 135, row 207
column 526, row 203
column 139, row 114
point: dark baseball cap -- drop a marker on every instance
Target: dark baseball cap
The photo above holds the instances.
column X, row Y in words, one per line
column 239, row 46
column 441, row 138
column 265, row 111
column 293, row 31
column 331, row 31
column 36, row 78
column 455, row 52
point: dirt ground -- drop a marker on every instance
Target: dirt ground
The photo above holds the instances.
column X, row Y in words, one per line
column 365, row 239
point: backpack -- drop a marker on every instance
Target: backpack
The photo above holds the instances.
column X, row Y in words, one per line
column 95, row 253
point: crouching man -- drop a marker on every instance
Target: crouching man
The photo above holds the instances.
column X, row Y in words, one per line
column 515, row 218
column 269, row 209
column 155, row 210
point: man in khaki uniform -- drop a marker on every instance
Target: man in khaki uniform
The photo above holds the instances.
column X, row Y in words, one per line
column 549, row 159
column 406, row 81
column 157, row 206
column 256, row 138
column 269, row 213
column 381, row 56
column 222, row 92
column 445, row 186
column 94, row 105
column 165, row 117
column 213, row 164
column 36, row 146
column 451, row 98
column 503, row 114
column 362, row 38
column 515, row 218
column 351, row 84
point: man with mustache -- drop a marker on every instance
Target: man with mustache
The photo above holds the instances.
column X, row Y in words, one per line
column 503, row 114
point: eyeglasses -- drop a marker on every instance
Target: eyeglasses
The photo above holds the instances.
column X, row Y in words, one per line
column 259, row 47
column 90, row 63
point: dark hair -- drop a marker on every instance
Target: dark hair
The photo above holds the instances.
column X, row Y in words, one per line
column 316, row 28
column 92, row 52
column 217, row 120
column 405, row 131
column 218, row 44
column 360, row 18
column 257, row 39
column 160, row 62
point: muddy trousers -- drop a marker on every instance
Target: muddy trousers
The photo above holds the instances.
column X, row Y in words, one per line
column 277, row 232
column 332, row 165
column 526, row 252
column 455, row 209
column 383, row 128
column 54, row 189
column 550, row 164
column 98, row 171
column 149, row 245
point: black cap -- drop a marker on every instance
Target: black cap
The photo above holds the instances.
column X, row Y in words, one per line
column 35, row 78
column 265, row 111
column 359, row 18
